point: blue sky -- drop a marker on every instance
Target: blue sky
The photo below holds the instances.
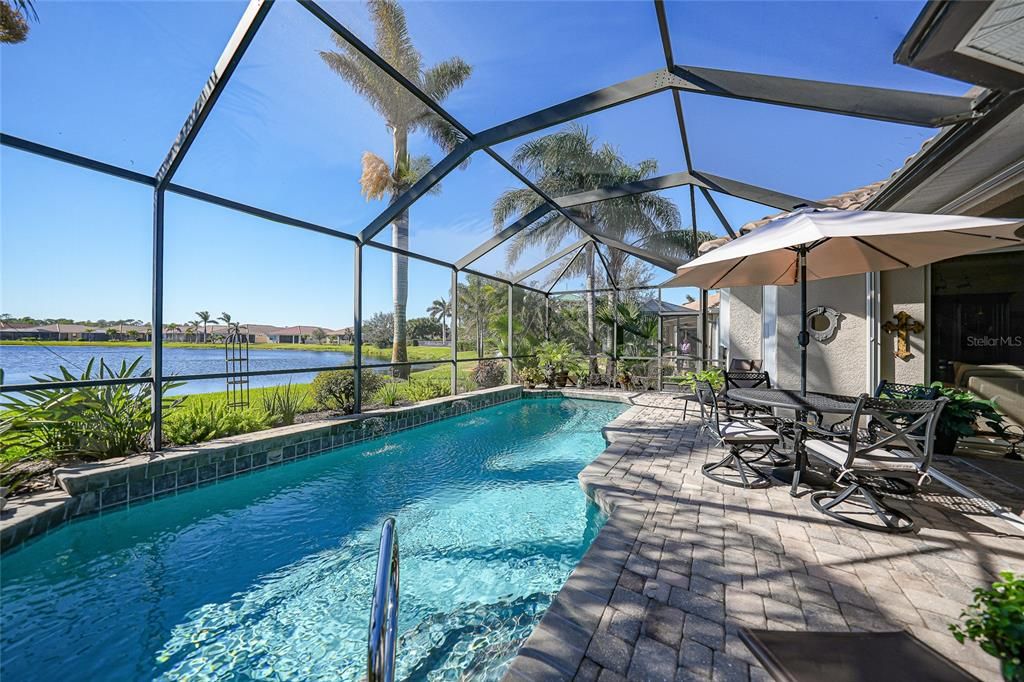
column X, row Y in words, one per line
column 116, row 80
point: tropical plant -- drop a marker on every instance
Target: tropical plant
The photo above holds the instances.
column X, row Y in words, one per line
column 636, row 329
column 995, row 620
column 336, row 390
column 198, row 422
column 94, row 422
column 318, row 335
column 403, row 114
column 489, row 373
column 418, row 389
column 558, row 357
column 388, row 394
column 712, row 375
column 960, row 416
column 423, row 328
column 531, row 376
column 569, row 161
column 439, row 311
column 282, row 404
column 14, row 16
column 481, row 303
column 204, row 317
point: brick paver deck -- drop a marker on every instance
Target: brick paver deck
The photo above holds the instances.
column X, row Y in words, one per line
column 684, row 562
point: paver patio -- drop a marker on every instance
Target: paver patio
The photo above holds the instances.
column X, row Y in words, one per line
column 684, row 562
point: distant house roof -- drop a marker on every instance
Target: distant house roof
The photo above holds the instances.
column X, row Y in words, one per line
column 713, row 301
column 300, row 330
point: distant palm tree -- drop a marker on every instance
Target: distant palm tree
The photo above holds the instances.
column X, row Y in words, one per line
column 480, row 303
column 570, row 161
column 204, row 315
column 403, row 114
column 191, row 328
column 439, row 311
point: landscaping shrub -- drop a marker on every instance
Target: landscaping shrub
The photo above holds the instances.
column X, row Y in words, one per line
column 489, row 373
column 282, row 404
column 428, row 388
column 95, row 422
column 336, row 390
column 387, row 394
column 200, row 422
column 995, row 620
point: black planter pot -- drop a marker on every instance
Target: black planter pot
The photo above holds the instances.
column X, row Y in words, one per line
column 945, row 443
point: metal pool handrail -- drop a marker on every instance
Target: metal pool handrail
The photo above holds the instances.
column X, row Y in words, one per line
column 384, row 616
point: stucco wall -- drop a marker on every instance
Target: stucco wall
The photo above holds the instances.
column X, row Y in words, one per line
column 745, row 323
column 838, row 365
column 903, row 290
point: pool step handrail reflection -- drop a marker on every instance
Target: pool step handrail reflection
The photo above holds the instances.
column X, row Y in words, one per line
column 384, row 614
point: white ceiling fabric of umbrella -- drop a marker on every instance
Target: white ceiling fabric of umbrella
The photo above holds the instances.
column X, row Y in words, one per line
column 846, row 243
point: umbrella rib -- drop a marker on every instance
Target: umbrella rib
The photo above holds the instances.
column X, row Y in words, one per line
column 727, row 273
column 884, row 253
column 988, row 236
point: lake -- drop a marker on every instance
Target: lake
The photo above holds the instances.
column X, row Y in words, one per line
column 21, row 363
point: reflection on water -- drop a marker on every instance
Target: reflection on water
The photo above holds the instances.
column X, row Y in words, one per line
column 21, row 363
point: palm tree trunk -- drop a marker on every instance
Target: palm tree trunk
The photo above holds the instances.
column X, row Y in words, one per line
column 615, row 264
column 400, row 263
column 591, row 310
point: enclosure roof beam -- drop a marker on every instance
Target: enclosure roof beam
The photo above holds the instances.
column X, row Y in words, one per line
column 383, row 64
column 74, row 159
column 507, row 233
column 881, row 104
column 718, row 212
column 677, row 101
column 423, row 185
column 759, row 195
column 519, row 277
column 607, row 269
column 626, row 189
column 565, row 268
column 245, row 31
column 258, row 212
column 655, row 259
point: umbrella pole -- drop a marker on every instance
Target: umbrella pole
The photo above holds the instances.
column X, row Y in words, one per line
column 804, row 338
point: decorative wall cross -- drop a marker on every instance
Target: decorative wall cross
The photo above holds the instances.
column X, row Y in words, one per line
column 905, row 325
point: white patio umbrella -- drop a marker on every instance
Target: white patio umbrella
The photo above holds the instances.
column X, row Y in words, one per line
column 821, row 243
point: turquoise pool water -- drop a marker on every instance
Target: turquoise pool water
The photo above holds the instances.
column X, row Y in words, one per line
column 268, row 576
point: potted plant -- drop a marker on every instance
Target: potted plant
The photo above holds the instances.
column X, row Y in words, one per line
column 556, row 357
column 995, row 620
column 531, row 376
column 712, row 375
column 960, row 415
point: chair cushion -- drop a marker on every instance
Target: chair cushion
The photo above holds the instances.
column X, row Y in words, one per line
column 836, row 453
column 748, row 432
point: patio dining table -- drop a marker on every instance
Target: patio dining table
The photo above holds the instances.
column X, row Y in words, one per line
column 818, row 404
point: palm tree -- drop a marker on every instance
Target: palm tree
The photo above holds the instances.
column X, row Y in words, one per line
column 14, row 16
column 204, row 316
column 480, row 303
column 403, row 114
column 569, row 161
column 439, row 311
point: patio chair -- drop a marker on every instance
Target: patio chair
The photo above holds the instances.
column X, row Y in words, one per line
column 741, row 365
column 900, row 447
column 745, row 379
column 740, row 436
column 890, row 391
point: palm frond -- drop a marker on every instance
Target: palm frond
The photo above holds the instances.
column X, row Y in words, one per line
column 445, row 77
column 392, row 40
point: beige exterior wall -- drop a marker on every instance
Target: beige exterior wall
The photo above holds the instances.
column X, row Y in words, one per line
column 745, row 323
column 904, row 290
column 838, row 365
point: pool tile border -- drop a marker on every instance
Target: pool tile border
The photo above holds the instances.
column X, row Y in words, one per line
column 92, row 488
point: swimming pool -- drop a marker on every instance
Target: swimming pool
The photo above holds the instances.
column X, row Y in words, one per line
column 268, row 576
